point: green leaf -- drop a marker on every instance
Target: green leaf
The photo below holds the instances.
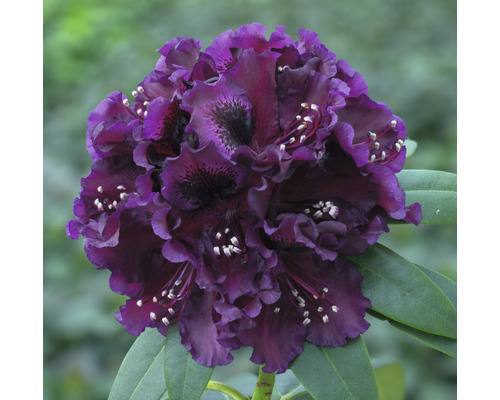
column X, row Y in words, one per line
column 401, row 291
column 390, row 381
column 411, row 147
column 140, row 376
column 288, row 387
column 443, row 344
column 185, row 378
column 448, row 286
column 436, row 191
column 340, row 373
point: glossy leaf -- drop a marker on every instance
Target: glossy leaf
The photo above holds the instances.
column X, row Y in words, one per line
column 448, row 286
column 340, row 373
column 288, row 387
column 185, row 378
column 390, row 382
column 436, row 191
column 402, row 292
column 411, row 147
column 140, row 376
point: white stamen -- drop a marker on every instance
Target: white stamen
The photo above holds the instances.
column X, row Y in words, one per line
column 171, row 311
column 145, row 113
column 304, row 105
column 307, row 211
column 383, row 155
column 217, row 250
column 329, row 203
column 308, row 119
column 372, row 135
column 100, row 189
column 139, row 111
column 306, row 321
column 276, row 310
column 226, row 251
column 401, row 142
column 305, row 314
column 394, row 123
column 226, row 231
column 126, row 103
column 155, row 300
column 110, row 207
column 315, row 297
column 140, row 89
column 124, row 196
column 292, row 140
column 302, row 305
column 236, row 250
column 100, row 207
column 115, row 204
column 97, row 201
column 320, row 309
column 314, row 107
column 398, row 147
column 376, row 144
column 165, row 320
column 295, row 292
column 152, row 315
column 334, row 212
column 171, row 295
column 372, row 158
column 318, row 214
column 282, row 147
column 218, row 235
column 325, row 318
column 298, row 117
column 335, row 309
column 135, row 94
column 164, row 293
column 178, row 282
column 139, row 303
column 234, row 240
column 301, row 126
column 302, row 138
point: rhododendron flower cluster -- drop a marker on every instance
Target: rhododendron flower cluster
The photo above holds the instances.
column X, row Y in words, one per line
column 226, row 191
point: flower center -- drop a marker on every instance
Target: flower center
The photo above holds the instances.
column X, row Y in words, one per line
column 109, row 198
column 384, row 147
column 139, row 107
column 302, row 130
column 172, row 296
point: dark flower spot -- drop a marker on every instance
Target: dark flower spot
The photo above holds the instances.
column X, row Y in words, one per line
column 234, row 124
column 202, row 186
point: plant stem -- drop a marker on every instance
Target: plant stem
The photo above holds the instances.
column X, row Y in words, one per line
column 222, row 387
column 264, row 387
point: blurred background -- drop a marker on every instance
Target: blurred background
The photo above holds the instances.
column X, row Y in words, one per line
column 406, row 51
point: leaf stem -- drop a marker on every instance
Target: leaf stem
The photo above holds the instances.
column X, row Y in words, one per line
column 222, row 387
column 264, row 386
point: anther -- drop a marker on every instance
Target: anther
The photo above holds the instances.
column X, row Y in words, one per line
column 226, row 251
column 314, row 107
column 305, row 314
column 100, row 189
column 226, row 231
column 140, row 89
column 146, row 103
column 236, row 250
column 217, row 250
column 115, row 204
column 124, row 196
column 152, row 315
column 121, row 187
column 307, row 211
column 302, row 139
column 308, row 119
column 282, row 147
column 383, row 155
column 298, row 117
column 155, row 300
column 165, row 320
column 178, row 282
column 304, row 105
column 320, row 309
column 276, row 310
column 139, row 111
column 126, row 103
column 325, row 290
column 372, row 158
column 325, row 319
column 218, row 235
column 318, row 214
column 171, row 311
column 301, row 126
column 335, row 309
column 394, row 123
column 377, row 145
column 135, row 94
column 306, row 321
column 164, row 293
column 139, row 303
column 372, row 135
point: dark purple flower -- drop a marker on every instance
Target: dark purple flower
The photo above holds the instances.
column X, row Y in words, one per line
column 225, row 192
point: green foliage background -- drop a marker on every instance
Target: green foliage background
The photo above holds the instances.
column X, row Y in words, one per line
column 406, row 51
